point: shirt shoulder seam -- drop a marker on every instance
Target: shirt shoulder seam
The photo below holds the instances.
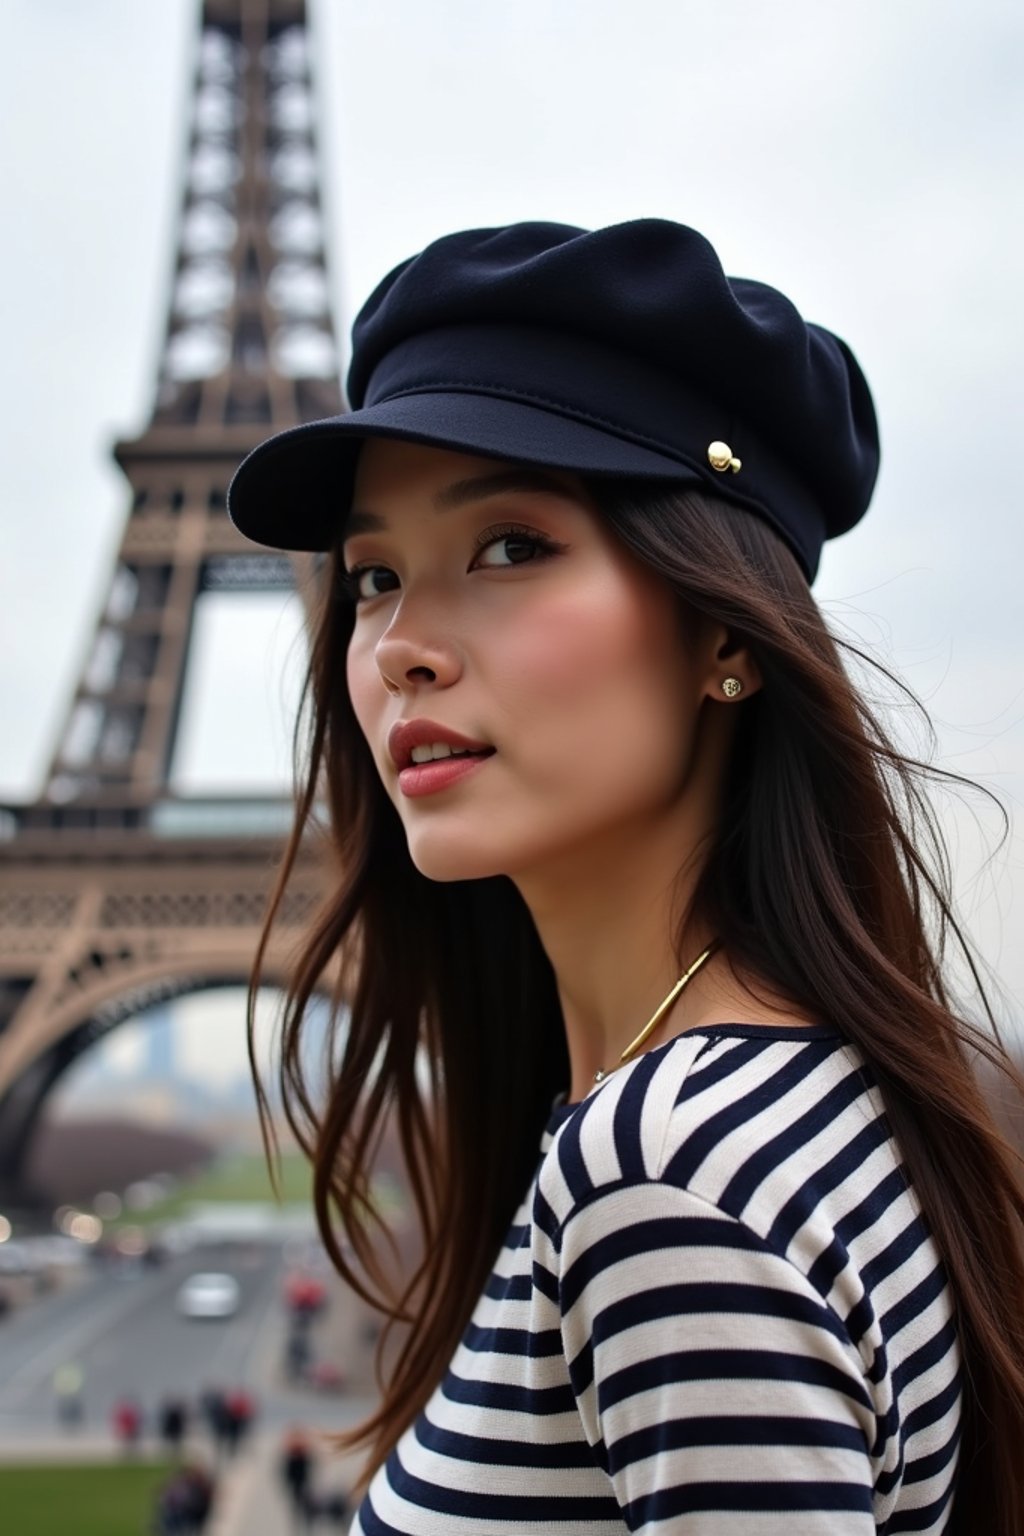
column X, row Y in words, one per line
column 807, row 1285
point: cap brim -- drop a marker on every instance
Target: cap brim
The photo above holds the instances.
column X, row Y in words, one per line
column 293, row 491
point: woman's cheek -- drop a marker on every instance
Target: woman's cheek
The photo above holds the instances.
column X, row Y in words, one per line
column 360, row 677
column 563, row 691
column 554, row 652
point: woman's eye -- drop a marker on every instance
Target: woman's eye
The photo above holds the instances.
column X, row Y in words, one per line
column 519, row 545
column 352, row 581
column 516, row 539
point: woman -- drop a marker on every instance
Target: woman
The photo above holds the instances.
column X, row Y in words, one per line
column 718, row 1233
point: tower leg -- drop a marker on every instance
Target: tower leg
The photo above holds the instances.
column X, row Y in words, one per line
column 19, row 1117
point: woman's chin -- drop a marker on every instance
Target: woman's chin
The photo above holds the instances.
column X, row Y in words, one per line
column 446, row 859
column 448, row 873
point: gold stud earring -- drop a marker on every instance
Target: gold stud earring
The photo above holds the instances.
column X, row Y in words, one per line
column 732, row 687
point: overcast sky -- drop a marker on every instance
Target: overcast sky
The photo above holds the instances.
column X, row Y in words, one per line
column 864, row 158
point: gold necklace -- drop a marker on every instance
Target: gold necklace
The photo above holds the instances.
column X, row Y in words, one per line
column 655, row 1020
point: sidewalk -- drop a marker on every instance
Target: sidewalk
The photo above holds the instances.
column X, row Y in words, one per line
column 70, row 1447
column 252, row 1500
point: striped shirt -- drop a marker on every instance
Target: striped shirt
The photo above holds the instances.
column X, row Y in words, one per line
column 719, row 1311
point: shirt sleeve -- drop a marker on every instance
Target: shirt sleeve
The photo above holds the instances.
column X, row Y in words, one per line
column 716, row 1388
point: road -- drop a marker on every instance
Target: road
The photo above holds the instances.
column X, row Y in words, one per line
column 128, row 1338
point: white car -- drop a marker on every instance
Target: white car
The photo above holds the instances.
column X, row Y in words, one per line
column 209, row 1295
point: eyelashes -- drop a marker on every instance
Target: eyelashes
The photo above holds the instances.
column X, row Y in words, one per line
column 350, row 580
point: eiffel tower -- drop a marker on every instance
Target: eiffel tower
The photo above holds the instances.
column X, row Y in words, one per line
column 116, row 893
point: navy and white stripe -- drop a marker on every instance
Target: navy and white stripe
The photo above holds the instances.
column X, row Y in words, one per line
column 719, row 1312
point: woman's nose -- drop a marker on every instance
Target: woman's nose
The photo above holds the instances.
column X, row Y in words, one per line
column 408, row 661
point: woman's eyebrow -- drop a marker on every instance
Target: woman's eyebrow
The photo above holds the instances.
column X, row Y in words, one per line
column 462, row 491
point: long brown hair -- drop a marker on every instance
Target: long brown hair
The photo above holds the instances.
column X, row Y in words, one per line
column 828, row 880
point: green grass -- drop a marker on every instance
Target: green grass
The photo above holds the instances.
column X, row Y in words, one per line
column 245, row 1177
column 240, row 1177
column 97, row 1499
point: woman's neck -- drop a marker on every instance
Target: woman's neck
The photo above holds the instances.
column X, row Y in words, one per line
column 607, row 918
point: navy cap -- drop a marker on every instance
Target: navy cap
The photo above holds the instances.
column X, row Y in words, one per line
column 620, row 351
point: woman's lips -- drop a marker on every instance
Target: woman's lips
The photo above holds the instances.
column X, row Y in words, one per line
column 428, row 778
column 406, row 735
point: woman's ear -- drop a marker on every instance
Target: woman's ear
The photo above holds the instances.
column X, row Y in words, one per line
column 732, row 671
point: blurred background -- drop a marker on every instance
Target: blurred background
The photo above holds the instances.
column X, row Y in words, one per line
column 865, row 159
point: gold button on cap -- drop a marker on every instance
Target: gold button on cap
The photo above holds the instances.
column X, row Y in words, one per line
column 720, row 457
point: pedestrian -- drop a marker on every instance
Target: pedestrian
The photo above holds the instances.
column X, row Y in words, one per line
column 643, row 919
column 213, row 1408
column 172, row 1422
column 334, row 1507
column 297, row 1351
column 198, row 1489
column 126, row 1421
column 296, row 1472
column 239, row 1411
column 168, row 1506
column 183, row 1501
column 68, row 1387
column 326, row 1376
column 306, row 1298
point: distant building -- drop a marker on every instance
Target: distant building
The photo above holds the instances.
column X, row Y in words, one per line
column 159, row 1063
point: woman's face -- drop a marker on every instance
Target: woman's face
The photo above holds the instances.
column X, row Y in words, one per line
column 514, row 617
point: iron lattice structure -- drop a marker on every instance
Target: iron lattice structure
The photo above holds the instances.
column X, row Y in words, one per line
column 115, row 893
